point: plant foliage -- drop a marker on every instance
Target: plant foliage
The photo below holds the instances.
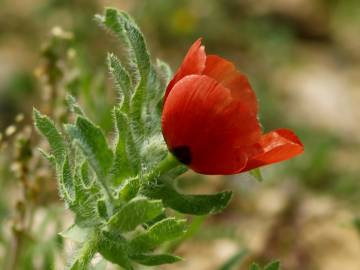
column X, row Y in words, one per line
column 118, row 190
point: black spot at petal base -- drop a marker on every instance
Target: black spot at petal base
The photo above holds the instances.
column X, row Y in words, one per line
column 182, row 153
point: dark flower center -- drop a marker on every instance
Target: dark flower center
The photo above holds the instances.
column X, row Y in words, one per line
column 182, row 153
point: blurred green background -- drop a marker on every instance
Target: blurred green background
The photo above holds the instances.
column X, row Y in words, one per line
column 303, row 60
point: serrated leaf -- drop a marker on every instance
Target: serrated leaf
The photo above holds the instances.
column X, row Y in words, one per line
column 74, row 107
column 66, row 182
column 54, row 137
column 273, row 266
column 152, row 112
column 154, row 151
column 93, row 143
column 101, row 209
column 256, row 173
column 84, row 255
column 162, row 231
column 129, row 189
column 112, row 246
column 187, row 204
column 138, row 45
column 75, row 233
column 127, row 31
column 136, row 212
column 153, row 260
column 122, row 81
column 136, row 112
column 127, row 158
column 85, row 205
column 165, row 72
column 85, row 174
column 48, row 157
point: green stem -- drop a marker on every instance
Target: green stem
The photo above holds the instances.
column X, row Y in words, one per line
column 164, row 166
column 109, row 197
column 85, row 254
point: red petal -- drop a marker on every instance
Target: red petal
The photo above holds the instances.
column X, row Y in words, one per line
column 202, row 114
column 194, row 63
column 278, row 145
column 225, row 73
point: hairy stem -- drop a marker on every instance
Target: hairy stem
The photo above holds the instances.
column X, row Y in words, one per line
column 85, row 253
column 164, row 166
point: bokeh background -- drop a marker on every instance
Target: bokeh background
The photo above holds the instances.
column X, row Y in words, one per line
column 303, row 60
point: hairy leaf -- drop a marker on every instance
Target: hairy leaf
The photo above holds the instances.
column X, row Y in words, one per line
column 136, row 212
column 54, row 137
column 122, row 81
column 152, row 260
column 165, row 73
column 75, row 233
column 66, row 182
column 187, row 204
column 127, row 157
column 112, row 246
column 73, row 105
column 273, row 266
column 84, row 254
column 162, row 231
column 255, row 266
column 129, row 189
column 93, row 143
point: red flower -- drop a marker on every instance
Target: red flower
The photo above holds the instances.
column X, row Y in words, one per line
column 210, row 123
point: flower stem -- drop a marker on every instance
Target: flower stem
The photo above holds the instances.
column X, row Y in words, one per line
column 86, row 252
column 164, row 166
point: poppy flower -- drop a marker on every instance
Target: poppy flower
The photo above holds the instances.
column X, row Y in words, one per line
column 209, row 119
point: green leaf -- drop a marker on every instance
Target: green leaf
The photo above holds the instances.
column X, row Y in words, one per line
column 154, row 151
column 85, row 206
column 85, row 175
column 75, row 233
column 255, row 266
column 74, row 107
column 273, row 266
column 138, row 45
column 49, row 157
column 136, row 112
column 122, row 81
column 93, row 143
column 127, row 31
column 127, row 158
column 162, row 231
column 152, row 260
column 129, row 189
column 112, row 246
column 101, row 209
column 125, row 28
column 256, row 173
column 47, row 128
column 187, row 204
column 136, row 212
column 234, row 261
column 66, row 182
column 165, row 72
column 84, row 254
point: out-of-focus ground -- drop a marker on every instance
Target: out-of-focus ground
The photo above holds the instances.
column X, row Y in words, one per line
column 303, row 60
